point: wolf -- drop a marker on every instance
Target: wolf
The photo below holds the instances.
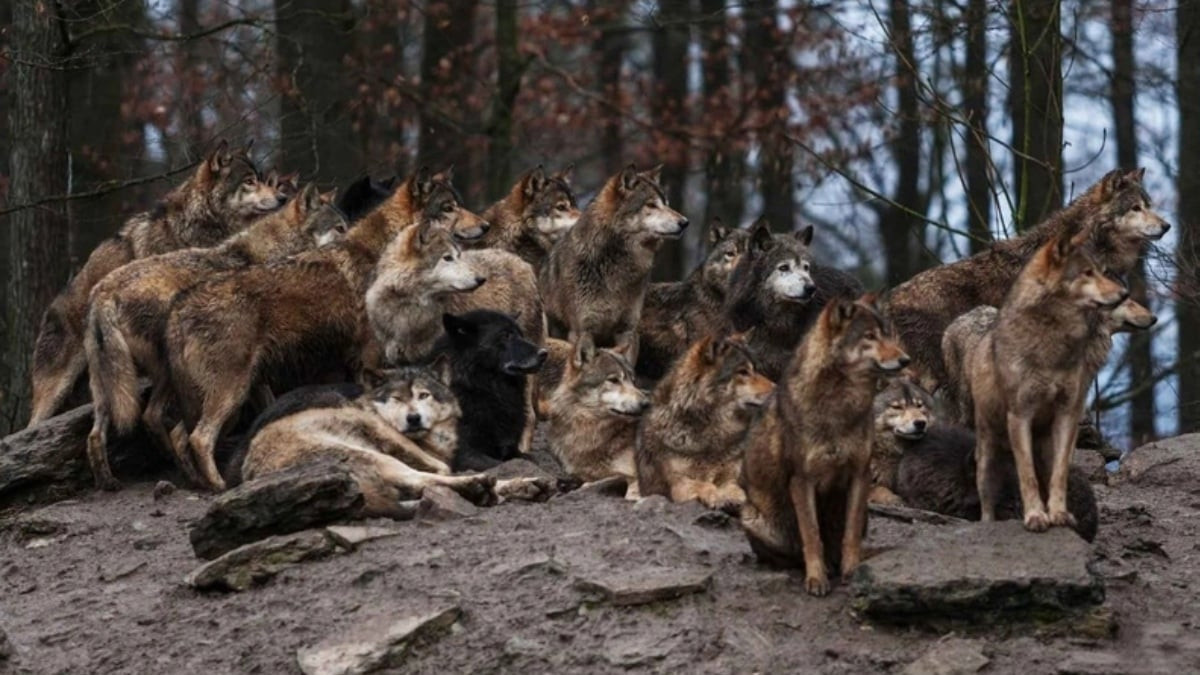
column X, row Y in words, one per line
column 677, row 313
column 903, row 411
column 778, row 291
column 965, row 332
column 689, row 444
column 1116, row 215
column 534, row 215
column 259, row 324
column 593, row 417
column 363, row 195
column 1027, row 376
column 806, row 472
column 221, row 196
column 490, row 359
column 129, row 310
column 594, row 280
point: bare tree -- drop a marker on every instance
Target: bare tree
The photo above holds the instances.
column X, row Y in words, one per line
column 668, row 105
column 767, row 54
column 446, row 72
column 975, row 110
column 508, row 85
column 1187, row 28
column 725, row 165
column 610, row 49
column 1035, row 103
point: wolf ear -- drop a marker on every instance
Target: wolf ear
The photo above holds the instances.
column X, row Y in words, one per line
column 310, row 198
column 654, row 175
column 760, row 236
column 371, row 378
column 424, row 229
column 329, row 197
column 629, row 177
column 565, row 174
column 219, row 158
column 841, row 312
column 1061, row 247
column 535, row 182
column 717, row 232
column 1111, row 183
column 291, row 180
column 422, row 182
column 446, row 176
column 714, row 348
column 272, row 178
column 585, row 351
column 805, row 236
column 441, row 369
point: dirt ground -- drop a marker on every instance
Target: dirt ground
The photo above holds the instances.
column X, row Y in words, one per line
column 95, row 585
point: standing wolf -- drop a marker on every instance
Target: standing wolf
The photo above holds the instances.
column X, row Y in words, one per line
column 807, row 467
column 677, row 313
column 594, row 281
column 534, row 215
column 222, row 196
column 1027, row 376
column 1116, row 216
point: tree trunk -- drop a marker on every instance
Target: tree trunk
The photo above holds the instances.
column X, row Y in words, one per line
column 191, row 82
column 446, row 73
column 975, row 109
column 668, row 106
column 610, row 48
column 1141, row 359
column 1187, row 26
column 724, row 165
column 38, row 245
column 508, row 84
column 317, row 137
column 1035, row 101
column 769, row 55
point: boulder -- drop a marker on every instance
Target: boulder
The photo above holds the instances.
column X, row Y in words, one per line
column 646, row 585
column 442, row 503
column 255, row 563
column 281, row 503
column 376, row 644
column 983, row 571
column 1169, row 462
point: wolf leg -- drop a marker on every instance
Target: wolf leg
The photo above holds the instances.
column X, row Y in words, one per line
column 218, row 410
column 1062, row 437
column 804, row 501
column 856, row 520
column 51, row 389
column 1020, row 438
column 987, row 475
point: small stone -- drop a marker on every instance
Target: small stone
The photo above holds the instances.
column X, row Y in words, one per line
column 518, row 646
column 139, row 526
column 255, row 563
column 442, row 503
column 638, row 650
column 350, row 536
column 639, row 587
column 163, row 489
column 376, row 644
column 950, row 657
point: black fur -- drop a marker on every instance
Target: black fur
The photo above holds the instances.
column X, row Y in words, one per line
column 363, row 195
column 489, row 360
column 937, row 473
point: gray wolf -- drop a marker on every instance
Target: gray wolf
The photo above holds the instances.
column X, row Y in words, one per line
column 532, row 217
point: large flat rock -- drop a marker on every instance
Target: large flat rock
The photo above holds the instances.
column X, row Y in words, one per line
column 981, row 571
column 255, row 563
column 377, row 643
column 1169, row 462
column 645, row 585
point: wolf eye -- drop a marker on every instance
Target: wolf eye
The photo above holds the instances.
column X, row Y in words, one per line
column 785, row 267
column 248, row 181
column 422, row 396
column 871, row 335
column 562, row 207
column 896, row 406
column 447, row 207
column 730, row 255
column 804, row 267
column 743, row 371
column 614, row 379
column 449, row 257
column 1136, row 207
column 919, row 405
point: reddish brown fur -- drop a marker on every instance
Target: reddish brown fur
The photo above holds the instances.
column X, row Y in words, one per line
column 532, row 216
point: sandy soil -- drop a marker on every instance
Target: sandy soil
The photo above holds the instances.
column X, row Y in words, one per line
column 95, row 585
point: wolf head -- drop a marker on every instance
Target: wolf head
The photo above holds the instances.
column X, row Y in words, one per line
column 862, row 339
column 1129, row 316
column 547, row 205
column 440, row 205
column 903, row 409
column 434, row 255
column 1125, row 207
column 286, row 185
column 322, row 221
column 1067, row 266
column 779, row 265
column 602, row 380
column 727, row 372
column 726, row 247
column 486, row 341
column 414, row 399
column 635, row 205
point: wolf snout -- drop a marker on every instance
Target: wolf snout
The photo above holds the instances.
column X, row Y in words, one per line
column 413, row 420
column 541, row 357
column 484, row 226
column 920, row 425
column 683, row 223
column 479, row 281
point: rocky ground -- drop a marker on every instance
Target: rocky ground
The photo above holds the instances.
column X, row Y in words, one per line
column 588, row 582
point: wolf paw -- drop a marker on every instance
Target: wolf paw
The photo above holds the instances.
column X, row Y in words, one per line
column 525, row 489
column 478, row 489
column 817, row 585
column 1062, row 519
column 1037, row 521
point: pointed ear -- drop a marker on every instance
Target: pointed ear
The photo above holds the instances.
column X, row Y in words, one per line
column 713, row 349
column 291, row 180
column 760, row 236
column 535, row 182
column 1111, row 183
column 441, row 369
column 566, row 174
column 585, row 351
column 447, row 175
column 247, row 147
column 717, row 232
column 629, row 178
column 272, row 178
column 1080, row 238
column 424, row 230
column 309, row 198
column 371, row 378
column 1061, row 247
column 422, row 182
column 805, row 235
column 840, row 313
column 218, row 158
column 329, row 197
column 654, row 175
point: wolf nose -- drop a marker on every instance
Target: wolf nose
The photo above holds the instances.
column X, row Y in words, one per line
column 541, row 356
column 484, row 226
column 683, row 223
column 904, row 360
column 479, row 281
column 920, row 425
column 643, row 404
column 809, row 289
column 413, row 419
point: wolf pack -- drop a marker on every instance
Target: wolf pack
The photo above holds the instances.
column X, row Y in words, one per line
column 392, row 330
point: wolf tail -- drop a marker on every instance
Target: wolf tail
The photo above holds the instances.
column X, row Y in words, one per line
column 112, row 372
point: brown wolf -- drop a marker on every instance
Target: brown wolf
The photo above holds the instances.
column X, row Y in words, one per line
column 129, row 311
column 1027, row 376
column 287, row 322
column 678, row 313
column 965, row 332
column 534, row 215
column 1116, row 214
column 594, row 281
column 776, row 292
column 221, row 196
column 903, row 413
column 807, row 462
column 594, row 416
column 689, row 446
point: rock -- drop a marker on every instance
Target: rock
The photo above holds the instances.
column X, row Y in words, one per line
column 163, row 489
column 284, row 502
column 519, row 468
column 982, row 571
column 518, row 646
column 6, row 648
column 257, row 562
column 1169, row 462
column 638, row 650
column 1087, row 662
column 646, row 585
column 375, row 644
column 950, row 657
column 350, row 536
column 442, row 503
